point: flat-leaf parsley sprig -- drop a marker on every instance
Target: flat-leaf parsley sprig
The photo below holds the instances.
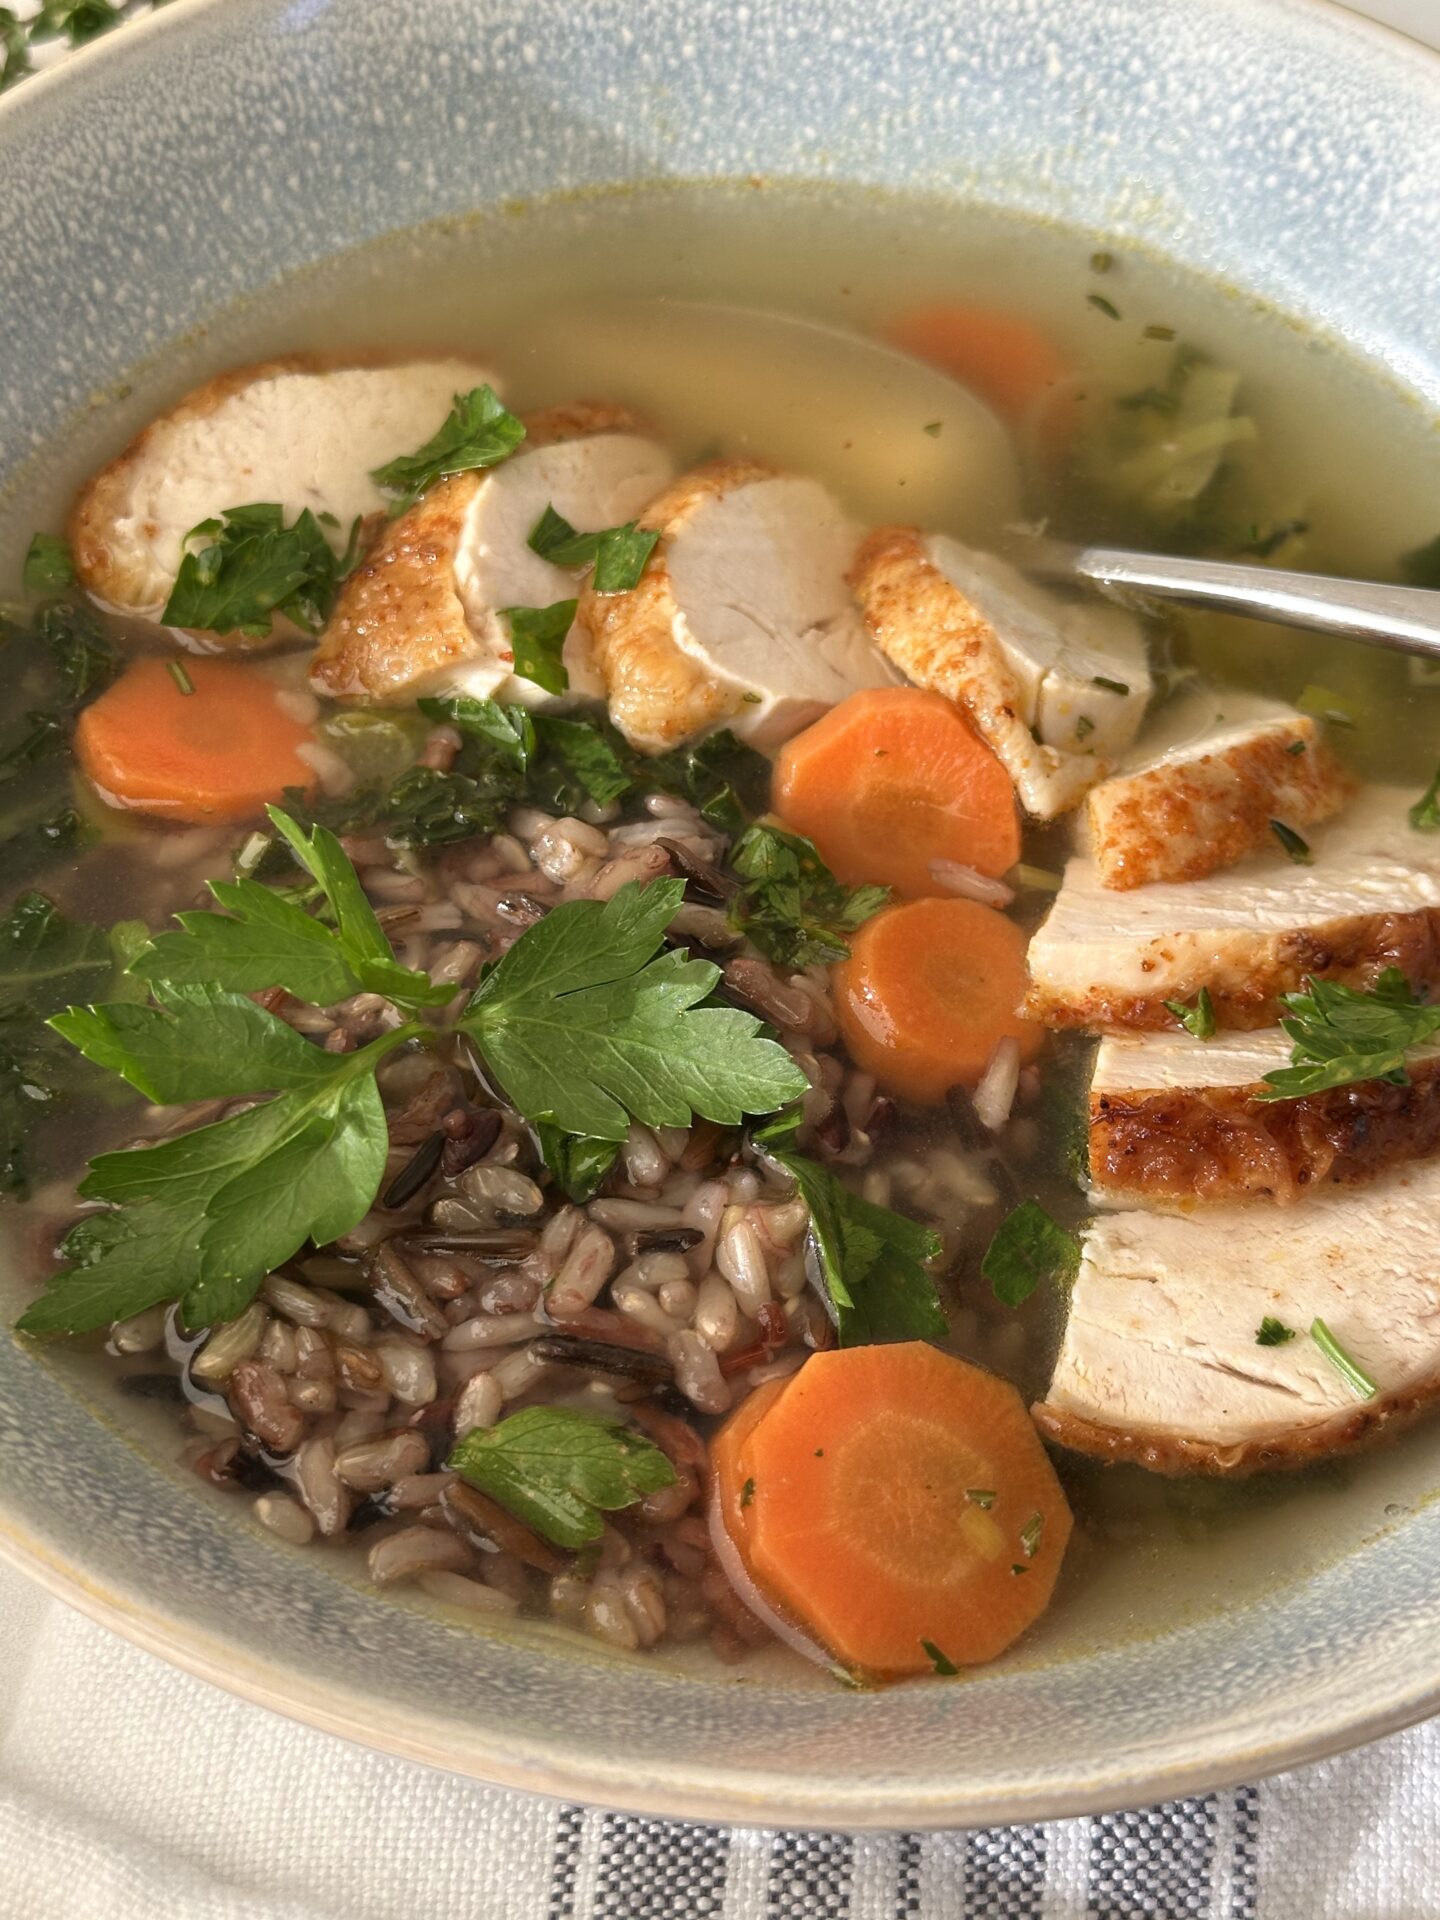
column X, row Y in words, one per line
column 584, row 1025
column 1339, row 1035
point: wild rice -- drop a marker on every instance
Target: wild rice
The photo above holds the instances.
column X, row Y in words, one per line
column 455, row 1590
column 370, row 1465
column 285, row 1517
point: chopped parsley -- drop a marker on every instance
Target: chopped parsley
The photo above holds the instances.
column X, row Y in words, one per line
column 560, row 1471
column 1028, row 1247
column 177, row 671
column 1109, row 686
column 791, row 905
column 1350, row 1371
column 1297, row 848
column 933, row 427
column 1084, row 727
column 873, row 1262
column 1297, row 747
column 1340, row 1035
column 983, row 1497
column 48, row 566
column 1030, row 1535
column 747, row 1492
column 1158, row 333
column 537, row 635
column 1197, row 1020
column 1424, row 816
column 1107, row 307
column 1272, row 1332
column 1101, row 262
column 477, row 432
column 618, row 554
column 940, row 1663
column 252, row 566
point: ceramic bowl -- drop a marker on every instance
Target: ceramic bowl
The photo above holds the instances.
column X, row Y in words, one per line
column 1280, row 147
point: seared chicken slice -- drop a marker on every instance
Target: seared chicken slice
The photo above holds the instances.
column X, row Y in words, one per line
column 1370, row 900
column 742, row 614
column 1160, row 1363
column 423, row 613
column 1057, row 687
column 1175, row 1118
column 1200, row 791
column 288, row 431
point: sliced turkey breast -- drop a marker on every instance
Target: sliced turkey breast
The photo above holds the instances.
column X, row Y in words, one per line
column 1057, row 687
column 422, row 613
column 1370, row 900
column 742, row 615
column 1175, row 1118
column 291, row 431
column 1160, row 1363
column 1200, row 791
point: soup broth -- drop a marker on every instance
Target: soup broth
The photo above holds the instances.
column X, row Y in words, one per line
column 752, row 321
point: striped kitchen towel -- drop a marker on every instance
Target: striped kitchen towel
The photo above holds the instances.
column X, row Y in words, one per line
column 129, row 1791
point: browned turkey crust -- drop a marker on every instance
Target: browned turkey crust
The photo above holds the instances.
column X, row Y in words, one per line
column 1174, row 1455
column 1223, row 1143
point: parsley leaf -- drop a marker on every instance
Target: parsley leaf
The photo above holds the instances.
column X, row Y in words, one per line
column 559, row 1471
column 77, row 20
column 254, row 567
column 477, row 432
column 537, row 635
column 1340, row 1035
column 941, row 1663
column 584, row 758
column 1424, row 816
column 584, row 1028
column 1028, row 1247
column 621, row 556
column 873, row 1261
column 791, row 905
column 723, row 779
column 1198, row 1019
column 48, row 566
column 555, row 540
column 1272, row 1332
column 578, row 1163
column 1296, row 846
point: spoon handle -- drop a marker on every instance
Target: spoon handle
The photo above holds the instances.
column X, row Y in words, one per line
column 1406, row 619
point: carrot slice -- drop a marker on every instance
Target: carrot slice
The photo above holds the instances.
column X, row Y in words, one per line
column 929, row 991
column 902, row 1497
column 730, row 1456
column 218, row 753
column 1008, row 361
column 892, row 779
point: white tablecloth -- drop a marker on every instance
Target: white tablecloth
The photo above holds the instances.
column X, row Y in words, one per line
column 129, row 1791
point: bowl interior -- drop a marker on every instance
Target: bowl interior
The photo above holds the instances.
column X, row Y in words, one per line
column 169, row 197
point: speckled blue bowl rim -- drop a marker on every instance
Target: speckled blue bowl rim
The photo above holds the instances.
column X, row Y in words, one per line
column 1318, row 139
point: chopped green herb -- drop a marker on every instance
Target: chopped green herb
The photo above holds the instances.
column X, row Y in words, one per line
column 983, row 1497
column 1424, row 816
column 1158, row 333
column 1030, row 1535
column 1199, row 1019
column 478, row 432
column 1028, row 1247
column 1272, row 1332
column 537, row 635
column 580, row 1165
column 1354, row 1375
column 1038, row 879
column 621, row 556
column 933, row 427
column 1101, row 262
column 1297, row 848
column 791, row 905
column 48, row 566
column 555, row 540
column 14, row 47
column 1296, row 748
column 940, row 1662
column 255, row 567
column 1340, row 1036
column 873, row 1262
column 176, row 670
column 1262, row 545
column 560, row 1471
column 1157, row 399
column 1107, row 307
column 747, row 1492
column 1019, row 1569
column 1084, row 727
column 1109, row 686
column 77, row 20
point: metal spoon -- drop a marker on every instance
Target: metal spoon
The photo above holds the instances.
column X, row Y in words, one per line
column 1405, row 619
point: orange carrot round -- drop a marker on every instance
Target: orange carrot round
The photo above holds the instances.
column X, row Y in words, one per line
column 730, row 1456
column 929, row 991
column 1009, row 361
column 216, row 753
column 901, row 1507
column 892, row 779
